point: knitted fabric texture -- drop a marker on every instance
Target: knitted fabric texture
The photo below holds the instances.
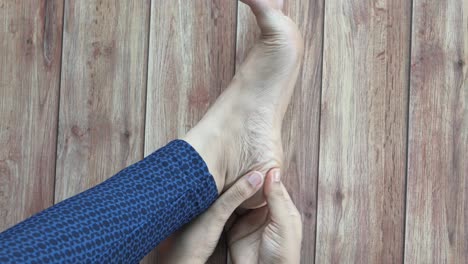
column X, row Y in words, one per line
column 120, row 220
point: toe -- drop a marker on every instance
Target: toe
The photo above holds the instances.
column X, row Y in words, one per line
column 261, row 6
column 267, row 12
column 275, row 26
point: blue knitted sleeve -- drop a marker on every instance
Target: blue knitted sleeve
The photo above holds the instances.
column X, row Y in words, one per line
column 120, row 220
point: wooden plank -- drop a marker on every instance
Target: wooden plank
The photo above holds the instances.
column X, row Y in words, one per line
column 301, row 123
column 191, row 60
column 437, row 205
column 30, row 51
column 363, row 132
column 102, row 95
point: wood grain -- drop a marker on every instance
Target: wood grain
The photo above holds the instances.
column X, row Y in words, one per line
column 301, row 124
column 191, row 61
column 344, row 133
column 437, row 206
column 102, row 97
column 363, row 132
column 30, row 51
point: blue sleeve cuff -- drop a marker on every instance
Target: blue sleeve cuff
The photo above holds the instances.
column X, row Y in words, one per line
column 120, row 220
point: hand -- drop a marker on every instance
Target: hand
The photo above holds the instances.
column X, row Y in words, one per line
column 195, row 242
column 271, row 234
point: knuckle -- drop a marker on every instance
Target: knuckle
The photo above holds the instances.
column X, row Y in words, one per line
column 221, row 209
column 277, row 192
column 219, row 219
column 240, row 193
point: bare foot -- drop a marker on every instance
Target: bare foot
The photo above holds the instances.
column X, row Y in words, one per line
column 242, row 129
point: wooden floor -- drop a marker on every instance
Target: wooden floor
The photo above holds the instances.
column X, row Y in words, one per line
column 376, row 136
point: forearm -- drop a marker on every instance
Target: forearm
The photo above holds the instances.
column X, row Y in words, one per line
column 121, row 219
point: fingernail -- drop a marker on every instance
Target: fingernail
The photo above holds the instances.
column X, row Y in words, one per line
column 255, row 178
column 276, row 175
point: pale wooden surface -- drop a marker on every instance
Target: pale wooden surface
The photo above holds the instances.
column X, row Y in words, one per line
column 360, row 217
column 132, row 76
column 301, row 123
column 437, row 204
column 191, row 61
column 30, row 48
column 102, row 94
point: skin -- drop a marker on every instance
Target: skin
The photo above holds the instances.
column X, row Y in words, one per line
column 271, row 234
column 240, row 135
column 241, row 131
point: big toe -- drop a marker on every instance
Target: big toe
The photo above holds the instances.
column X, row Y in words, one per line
column 276, row 27
column 267, row 12
column 259, row 6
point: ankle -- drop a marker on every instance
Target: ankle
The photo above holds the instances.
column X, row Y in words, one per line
column 207, row 139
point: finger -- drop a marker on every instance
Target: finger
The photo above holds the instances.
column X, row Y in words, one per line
column 242, row 190
column 289, row 202
column 278, row 200
column 248, row 223
column 242, row 211
column 231, row 220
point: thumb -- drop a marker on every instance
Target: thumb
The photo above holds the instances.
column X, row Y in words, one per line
column 279, row 203
column 242, row 190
